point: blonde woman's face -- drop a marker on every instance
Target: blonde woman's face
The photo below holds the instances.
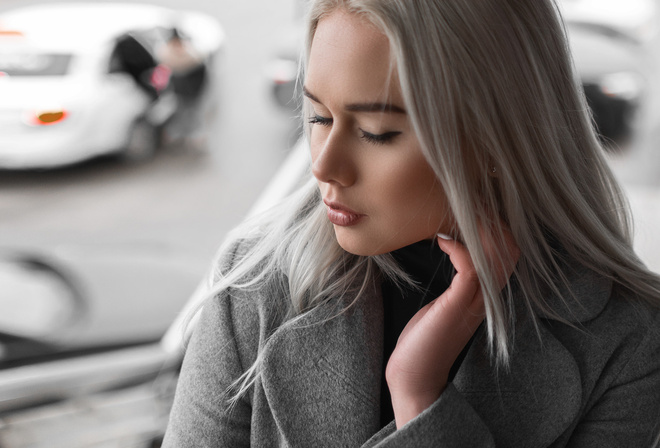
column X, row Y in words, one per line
column 380, row 192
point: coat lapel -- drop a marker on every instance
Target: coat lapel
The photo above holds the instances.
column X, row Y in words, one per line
column 322, row 380
column 531, row 403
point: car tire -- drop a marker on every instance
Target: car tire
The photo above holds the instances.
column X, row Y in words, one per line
column 143, row 141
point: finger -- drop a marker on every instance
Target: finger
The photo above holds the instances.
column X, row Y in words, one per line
column 458, row 254
column 463, row 292
column 501, row 252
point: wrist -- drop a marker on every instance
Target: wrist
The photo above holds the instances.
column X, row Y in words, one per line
column 408, row 406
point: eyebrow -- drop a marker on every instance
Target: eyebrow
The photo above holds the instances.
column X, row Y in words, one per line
column 362, row 107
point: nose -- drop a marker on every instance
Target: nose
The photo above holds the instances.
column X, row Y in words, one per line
column 332, row 161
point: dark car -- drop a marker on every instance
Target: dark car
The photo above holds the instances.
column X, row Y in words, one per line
column 613, row 69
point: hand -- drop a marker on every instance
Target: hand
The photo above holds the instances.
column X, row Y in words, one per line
column 418, row 369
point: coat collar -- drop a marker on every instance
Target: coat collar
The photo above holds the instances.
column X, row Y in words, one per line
column 323, row 380
column 582, row 297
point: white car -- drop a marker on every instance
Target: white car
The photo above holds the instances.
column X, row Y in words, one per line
column 66, row 94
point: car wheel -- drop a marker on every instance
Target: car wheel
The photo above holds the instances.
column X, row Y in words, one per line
column 142, row 142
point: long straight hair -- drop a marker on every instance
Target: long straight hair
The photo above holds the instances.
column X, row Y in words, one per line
column 489, row 85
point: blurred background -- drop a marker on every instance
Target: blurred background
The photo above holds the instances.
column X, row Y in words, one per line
column 134, row 135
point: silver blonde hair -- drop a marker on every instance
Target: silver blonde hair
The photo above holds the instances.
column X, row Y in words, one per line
column 486, row 83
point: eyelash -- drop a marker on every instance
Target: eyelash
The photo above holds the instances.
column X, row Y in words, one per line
column 376, row 139
column 379, row 139
column 317, row 119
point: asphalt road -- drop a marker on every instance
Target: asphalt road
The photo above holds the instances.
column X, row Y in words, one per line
column 182, row 199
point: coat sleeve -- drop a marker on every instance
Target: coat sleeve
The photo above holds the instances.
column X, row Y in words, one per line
column 201, row 416
column 450, row 422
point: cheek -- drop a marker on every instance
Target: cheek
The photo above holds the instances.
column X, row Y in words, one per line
column 411, row 196
column 439, row 216
column 416, row 185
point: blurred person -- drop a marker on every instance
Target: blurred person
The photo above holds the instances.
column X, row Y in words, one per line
column 188, row 75
column 130, row 56
column 339, row 318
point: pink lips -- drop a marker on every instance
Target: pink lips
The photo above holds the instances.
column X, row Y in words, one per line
column 342, row 216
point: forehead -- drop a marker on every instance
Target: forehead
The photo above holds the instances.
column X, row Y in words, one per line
column 351, row 55
column 341, row 28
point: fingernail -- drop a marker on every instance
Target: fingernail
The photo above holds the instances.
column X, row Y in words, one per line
column 445, row 236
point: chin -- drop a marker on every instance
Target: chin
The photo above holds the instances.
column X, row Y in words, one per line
column 357, row 245
column 369, row 245
column 356, row 249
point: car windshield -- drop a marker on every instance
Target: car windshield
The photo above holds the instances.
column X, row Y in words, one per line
column 35, row 64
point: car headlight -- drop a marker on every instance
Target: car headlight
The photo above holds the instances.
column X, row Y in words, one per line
column 282, row 71
column 624, row 85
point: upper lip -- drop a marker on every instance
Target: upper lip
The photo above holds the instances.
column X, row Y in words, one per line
column 337, row 206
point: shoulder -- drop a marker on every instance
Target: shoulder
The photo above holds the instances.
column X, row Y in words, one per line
column 594, row 315
column 617, row 355
column 251, row 305
column 623, row 320
column 629, row 329
column 619, row 344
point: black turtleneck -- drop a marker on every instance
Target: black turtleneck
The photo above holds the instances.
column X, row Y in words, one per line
column 431, row 269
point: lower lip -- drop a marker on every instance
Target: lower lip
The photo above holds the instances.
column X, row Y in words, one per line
column 343, row 218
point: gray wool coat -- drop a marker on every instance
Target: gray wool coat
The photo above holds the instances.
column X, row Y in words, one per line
column 595, row 383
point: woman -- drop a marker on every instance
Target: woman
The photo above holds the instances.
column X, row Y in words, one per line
column 429, row 117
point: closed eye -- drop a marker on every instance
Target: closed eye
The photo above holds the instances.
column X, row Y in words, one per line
column 379, row 139
column 317, row 119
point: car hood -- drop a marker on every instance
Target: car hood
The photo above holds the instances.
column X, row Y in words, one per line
column 88, row 26
column 637, row 19
column 76, row 26
column 596, row 54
